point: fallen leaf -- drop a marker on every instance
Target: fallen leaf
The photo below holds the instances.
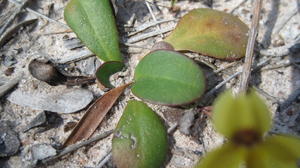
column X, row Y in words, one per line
column 94, row 115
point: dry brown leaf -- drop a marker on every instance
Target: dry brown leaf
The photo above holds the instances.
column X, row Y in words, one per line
column 94, row 115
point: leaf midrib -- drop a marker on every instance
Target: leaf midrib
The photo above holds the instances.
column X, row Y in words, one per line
column 168, row 79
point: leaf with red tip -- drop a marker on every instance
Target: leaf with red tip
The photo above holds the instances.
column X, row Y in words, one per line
column 212, row 33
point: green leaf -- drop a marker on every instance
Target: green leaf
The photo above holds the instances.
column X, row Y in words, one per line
column 106, row 70
column 140, row 139
column 270, row 155
column 283, row 148
column 226, row 156
column 169, row 78
column 212, row 33
column 94, row 24
column 258, row 158
column 245, row 112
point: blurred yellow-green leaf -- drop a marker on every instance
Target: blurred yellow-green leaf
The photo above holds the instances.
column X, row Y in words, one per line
column 241, row 113
column 212, row 33
column 226, row 156
column 284, row 148
column 257, row 158
column 260, row 157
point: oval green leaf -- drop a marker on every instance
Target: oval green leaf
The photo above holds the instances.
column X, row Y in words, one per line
column 140, row 139
column 168, row 78
column 212, row 33
column 94, row 24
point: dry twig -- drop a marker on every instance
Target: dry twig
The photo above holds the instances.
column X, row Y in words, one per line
column 250, row 46
column 9, row 34
column 281, row 64
column 150, row 34
column 10, row 84
column 104, row 160
column 148, row 25
column 265, row 94
column 153, row 17
column 74, row 147
column 12, row 17
column 240, row 4
column 280, row 51
column 284, row 19
column 39, row 14
column 217, row 87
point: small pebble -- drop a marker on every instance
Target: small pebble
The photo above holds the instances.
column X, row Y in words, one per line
column 40, row 119
column 9, row 71
column 9, row 141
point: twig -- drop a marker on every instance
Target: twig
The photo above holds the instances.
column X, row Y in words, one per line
column 213, row 90
column 12, row 17
column 136, row 46
column 153, row 17
column 39, row 14
column 284, row 63
column 10, row 84
column 104, row 160
column 148, row 25
column 150, row 34
column 267, row 95
column 218, row 86
column 77, row 57
column 225, row 67
column 240, row 4
column 84, row 54
column 60, row 32
column 250, row 47
column 280, row 51
column 164, row 6
column 9, row 34
column 172, row 128
column 74, row 147
column 284, row 19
